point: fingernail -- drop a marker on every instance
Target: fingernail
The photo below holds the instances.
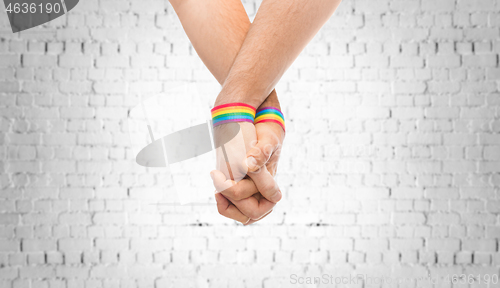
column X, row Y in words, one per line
column 251, row 163
column 276, row 197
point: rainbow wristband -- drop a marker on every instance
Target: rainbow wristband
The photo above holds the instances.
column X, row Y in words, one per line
column 232, row 112
column 270, row 114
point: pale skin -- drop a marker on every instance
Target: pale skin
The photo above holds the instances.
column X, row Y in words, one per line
column 217, row 45
column 248, row 59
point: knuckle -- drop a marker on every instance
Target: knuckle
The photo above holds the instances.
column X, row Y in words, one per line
column 235, row 193
column 268, row 149
column 221, row 210
column 238, row 195
column 269, row 186
column 254, row 214
column 260, row 161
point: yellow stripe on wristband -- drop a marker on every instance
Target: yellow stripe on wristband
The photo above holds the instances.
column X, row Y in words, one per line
column 270, row 114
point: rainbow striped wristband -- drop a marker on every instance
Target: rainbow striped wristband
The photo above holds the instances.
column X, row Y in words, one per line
column 270, row 114
column 232, row 112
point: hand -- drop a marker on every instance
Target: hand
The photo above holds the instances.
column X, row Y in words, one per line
column 242, row 201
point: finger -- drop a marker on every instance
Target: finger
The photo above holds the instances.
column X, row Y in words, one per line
column 253, row 221
column 240, row 195
column 260, row 153
column 264, row 216
column 220, row 181
column 266, row 184
column 241, row 190
column 272, row 167
column 233, row 190
column 227, row 209
column 254, row 207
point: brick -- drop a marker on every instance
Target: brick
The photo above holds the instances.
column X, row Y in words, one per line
column 110, row 87
column 443, row 87
column 373, row 219
column 337, row 244
column 10, row 60
column 408, row 218
column 442, row 113
column 446, row 34
column 407, row 113
column 480, row 60
column 371, row 193
column 9, row 86
column 111, row 193
column 438, row 6
column 459, row 166
column 339, row 219
column 75, row 218
column 406, row 193
column 477, row 193
column 489, row 139
column 443, row 244
column 492, row 152
column 55, row 166
column 410, row 34
column 489, row 167
column 191, row 243
column 481, row 34
column 30, row 60
column 424, row 138
column 370, row 7
column 379, row 61
column 409, row 87
column 59, row 139
column 34, row 272
column 406, row 244
column 373, row 87
column 441, row 193
column 475, row 5
column 72, row 61
column 9, row 245
column 148, row 61
column 443, row 219
column 75, row 245
column 36, row 245
column 109, row 34
column 109, row 218
column 443, row 61
column 101, row 271
column 479, row 245
column 113, row 61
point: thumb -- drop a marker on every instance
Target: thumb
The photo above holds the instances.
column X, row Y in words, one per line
column 260, row 154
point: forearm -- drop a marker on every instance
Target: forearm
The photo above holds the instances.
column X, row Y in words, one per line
column 217, row 29
column 279, row 33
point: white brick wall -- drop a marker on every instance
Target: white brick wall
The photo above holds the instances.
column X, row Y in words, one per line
column 396, row 173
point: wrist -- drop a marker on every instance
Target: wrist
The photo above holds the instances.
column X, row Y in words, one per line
column 271, row 101
column 225, row 97
column 234, row 91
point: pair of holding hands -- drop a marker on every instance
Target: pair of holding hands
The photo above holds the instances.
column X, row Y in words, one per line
column 253, row 197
